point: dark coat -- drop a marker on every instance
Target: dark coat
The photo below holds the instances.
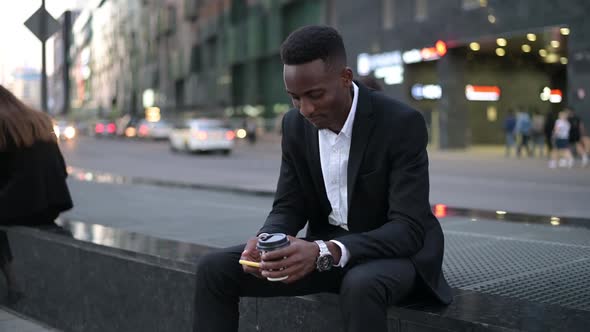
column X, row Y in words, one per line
column 389, row 213
column 33, row 188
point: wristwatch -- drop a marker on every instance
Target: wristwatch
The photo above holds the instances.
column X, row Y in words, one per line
column 325, row 259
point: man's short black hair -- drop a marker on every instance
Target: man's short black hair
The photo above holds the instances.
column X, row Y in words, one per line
column 313, row 42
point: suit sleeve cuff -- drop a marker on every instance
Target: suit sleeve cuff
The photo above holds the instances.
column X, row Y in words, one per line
column 344, row 254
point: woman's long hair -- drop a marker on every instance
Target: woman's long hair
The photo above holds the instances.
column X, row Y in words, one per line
column 20, row 125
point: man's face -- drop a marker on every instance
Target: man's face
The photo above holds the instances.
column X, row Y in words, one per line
column 321, row 93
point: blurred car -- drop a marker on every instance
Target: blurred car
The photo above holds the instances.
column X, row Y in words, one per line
column 202, row 135
column 105, row 128
column 159, row 130
column 64, row 130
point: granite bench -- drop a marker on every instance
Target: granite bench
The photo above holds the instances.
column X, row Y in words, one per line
column 104, row 279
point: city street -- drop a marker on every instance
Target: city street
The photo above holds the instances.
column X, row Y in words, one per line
column 477, row 179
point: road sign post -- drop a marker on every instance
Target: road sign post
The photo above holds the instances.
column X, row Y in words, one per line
column 42, row 25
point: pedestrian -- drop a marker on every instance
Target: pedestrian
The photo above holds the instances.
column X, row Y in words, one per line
column 575, row 137
column 33, row 189
column 537, row 135
column 523, row 130
column 509, row 132
column 251, row 130
column 355, row 170
column 550, row 119
column 561, row 134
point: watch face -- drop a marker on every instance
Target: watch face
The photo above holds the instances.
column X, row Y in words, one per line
column 325, row 262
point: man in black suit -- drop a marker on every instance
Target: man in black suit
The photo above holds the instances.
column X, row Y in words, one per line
column 355, row 169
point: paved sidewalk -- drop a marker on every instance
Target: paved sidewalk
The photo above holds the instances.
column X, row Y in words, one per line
column 10, row 322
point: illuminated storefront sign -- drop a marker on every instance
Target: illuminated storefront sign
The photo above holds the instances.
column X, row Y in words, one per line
column 366, row 63
column 391, row 75
column 412, row 56
column 482, row 93
column 389, row 65
column 427, row 91
column 551, row 95
column 426, row 54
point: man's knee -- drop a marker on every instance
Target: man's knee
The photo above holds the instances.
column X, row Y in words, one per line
column 213, row 264
column 359, row 283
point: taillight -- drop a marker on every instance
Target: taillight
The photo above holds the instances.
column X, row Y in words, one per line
column 99, row 128
column 143, row 130
column 111, row 128
column 230, row 135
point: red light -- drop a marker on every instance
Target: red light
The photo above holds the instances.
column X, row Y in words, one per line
column 99, row 128
column 441, row 48
column 143, row 130
column 111, row 128
column 440, row 210
column 483, row 88
column 230, row 135
column 556, row 92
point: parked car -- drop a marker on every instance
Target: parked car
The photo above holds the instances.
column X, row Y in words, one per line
column 64, row 130
column 159, row 130
column 199, row 135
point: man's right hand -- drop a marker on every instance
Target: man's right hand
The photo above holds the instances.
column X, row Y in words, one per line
column 252, row 254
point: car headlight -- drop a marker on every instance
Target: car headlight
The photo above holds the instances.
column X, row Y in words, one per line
column 70, row 132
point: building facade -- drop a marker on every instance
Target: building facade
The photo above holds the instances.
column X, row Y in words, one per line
column 493, row 56
column 25, row 84
column 463, row 63
column 215, row 57
column 59, row 83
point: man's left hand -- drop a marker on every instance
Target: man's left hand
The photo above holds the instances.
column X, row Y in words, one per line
column 297, row 260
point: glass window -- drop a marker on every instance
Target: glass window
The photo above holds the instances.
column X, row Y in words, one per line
column 473, row 4
column 388, row 14
column 421, row 10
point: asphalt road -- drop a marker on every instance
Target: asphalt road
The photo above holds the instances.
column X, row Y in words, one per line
column 480, row 179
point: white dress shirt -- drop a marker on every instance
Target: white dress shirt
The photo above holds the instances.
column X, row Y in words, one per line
column 334, row 152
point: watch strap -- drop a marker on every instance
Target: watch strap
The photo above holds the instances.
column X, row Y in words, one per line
column 323, row 248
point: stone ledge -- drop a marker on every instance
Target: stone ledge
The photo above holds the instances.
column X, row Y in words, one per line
column 113, row 280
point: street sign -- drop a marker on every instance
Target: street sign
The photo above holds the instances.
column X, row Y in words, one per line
column 34, row 23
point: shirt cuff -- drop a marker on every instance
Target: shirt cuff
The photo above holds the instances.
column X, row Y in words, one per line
column 344, row 256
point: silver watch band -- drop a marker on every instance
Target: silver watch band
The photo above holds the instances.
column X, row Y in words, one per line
column 323, row 248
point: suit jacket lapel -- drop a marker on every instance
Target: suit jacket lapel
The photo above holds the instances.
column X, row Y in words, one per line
column 361, row 131
column 316, row 167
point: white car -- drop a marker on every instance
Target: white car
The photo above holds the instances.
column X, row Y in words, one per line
column 202, row 135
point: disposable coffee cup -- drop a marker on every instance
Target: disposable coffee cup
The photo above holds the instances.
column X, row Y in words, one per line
column 271, row 242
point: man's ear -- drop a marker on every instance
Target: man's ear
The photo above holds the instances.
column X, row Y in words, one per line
column 346, row 77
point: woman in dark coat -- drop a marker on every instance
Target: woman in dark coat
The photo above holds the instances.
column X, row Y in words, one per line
column 33, row 189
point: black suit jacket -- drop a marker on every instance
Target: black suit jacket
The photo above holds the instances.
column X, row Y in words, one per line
column 389, row 213
column 33, row 188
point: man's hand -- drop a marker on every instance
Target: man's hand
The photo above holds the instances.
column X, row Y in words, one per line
column 252, row 254
column 297, row 260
